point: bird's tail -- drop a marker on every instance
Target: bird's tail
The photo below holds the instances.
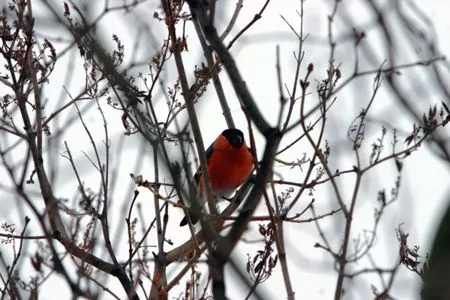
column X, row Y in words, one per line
column 184, row 221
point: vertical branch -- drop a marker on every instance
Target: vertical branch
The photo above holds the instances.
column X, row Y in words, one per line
column 104, row 179
column 358, row 170
column 159, row 277
column 299, row 59
column 191, row 112
column 278, row 222
column 15, row 261
column 237, row 10
column 228, row 62
column 104, row 174
column 215, row 77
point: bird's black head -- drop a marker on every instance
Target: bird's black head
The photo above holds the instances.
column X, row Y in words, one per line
column 234, row 136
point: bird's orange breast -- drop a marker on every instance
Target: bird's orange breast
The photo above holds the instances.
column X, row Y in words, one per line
column 230, row 167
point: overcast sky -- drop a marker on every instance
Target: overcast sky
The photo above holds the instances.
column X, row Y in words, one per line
column 424, row 180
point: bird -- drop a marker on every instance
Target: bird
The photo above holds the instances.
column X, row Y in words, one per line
column 230, row 163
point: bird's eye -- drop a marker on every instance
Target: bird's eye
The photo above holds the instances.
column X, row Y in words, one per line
column 239, row 140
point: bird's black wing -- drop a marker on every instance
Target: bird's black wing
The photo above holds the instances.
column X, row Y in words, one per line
column 209, row 153
column 197, row 176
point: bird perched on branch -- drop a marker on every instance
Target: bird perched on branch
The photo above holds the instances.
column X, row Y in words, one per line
column 230, row 163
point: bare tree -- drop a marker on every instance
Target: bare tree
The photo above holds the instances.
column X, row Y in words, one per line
column 79, row 215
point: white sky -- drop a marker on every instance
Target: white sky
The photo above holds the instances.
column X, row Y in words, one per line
column 421, row 200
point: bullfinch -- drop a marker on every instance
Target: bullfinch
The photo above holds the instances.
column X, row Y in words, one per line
column 230, row 163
